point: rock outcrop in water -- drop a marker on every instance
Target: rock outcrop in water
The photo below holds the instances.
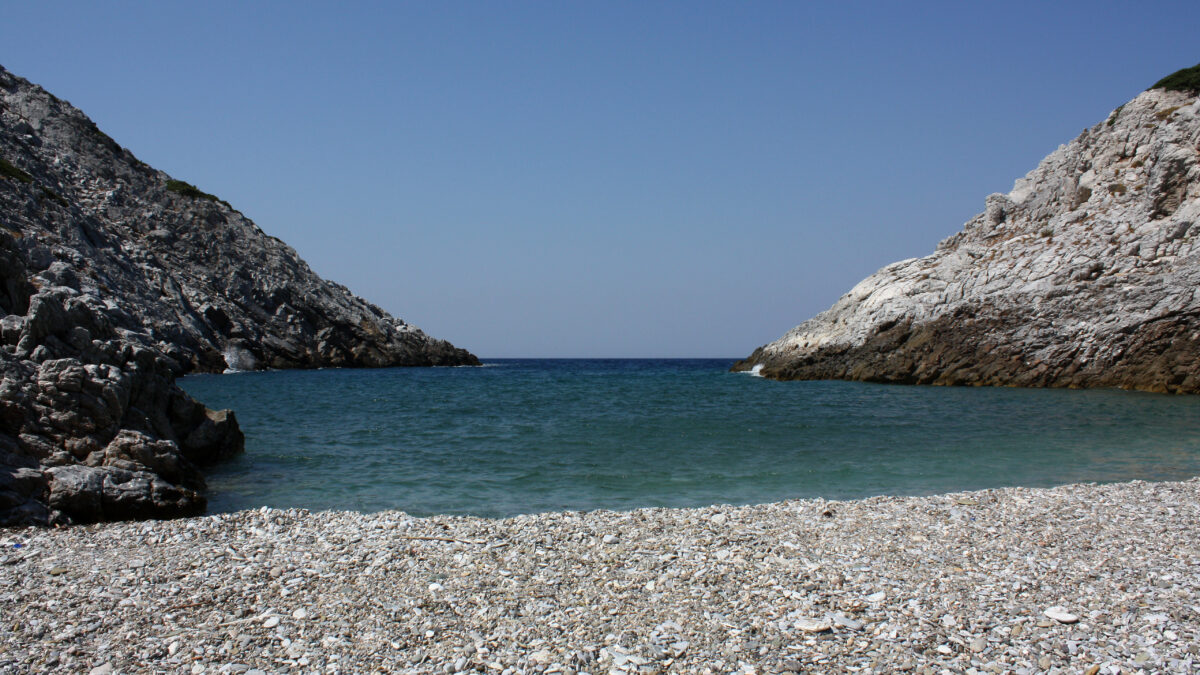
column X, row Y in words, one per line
column 1085, row 275
column 115, row 279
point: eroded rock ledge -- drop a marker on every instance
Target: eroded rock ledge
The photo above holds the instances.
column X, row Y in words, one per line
column 92, row 424
column 114, row 280
column 1084, row 275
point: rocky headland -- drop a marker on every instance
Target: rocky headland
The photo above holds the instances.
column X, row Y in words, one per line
column 1084, row 275
column 115, row 279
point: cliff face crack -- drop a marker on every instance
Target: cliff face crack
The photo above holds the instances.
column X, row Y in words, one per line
column 1084, row 275
column 126, row 280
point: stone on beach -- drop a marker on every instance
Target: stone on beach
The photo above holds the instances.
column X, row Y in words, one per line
column 1061, row 615
column 812, row 625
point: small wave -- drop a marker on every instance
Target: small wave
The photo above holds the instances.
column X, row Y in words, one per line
column 237, row 359
column 756, row 371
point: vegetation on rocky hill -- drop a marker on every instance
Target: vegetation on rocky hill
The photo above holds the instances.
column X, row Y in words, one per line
column 1187, row 79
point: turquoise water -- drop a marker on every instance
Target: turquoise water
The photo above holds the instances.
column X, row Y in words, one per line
column 525, row 436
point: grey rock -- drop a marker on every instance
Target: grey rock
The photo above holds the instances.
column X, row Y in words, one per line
column 114, row 280
column 1082, row 276
column 108, row 493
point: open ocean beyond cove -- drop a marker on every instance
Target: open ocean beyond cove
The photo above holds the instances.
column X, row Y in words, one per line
column 525, row 436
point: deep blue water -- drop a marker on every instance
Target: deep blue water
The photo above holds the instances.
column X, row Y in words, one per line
column 524, row 436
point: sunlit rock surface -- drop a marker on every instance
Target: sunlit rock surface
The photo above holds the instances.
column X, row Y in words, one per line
column 1084, row 275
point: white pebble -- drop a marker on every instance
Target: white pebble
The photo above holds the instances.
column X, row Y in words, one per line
column 1060, row 615
column 812, row 625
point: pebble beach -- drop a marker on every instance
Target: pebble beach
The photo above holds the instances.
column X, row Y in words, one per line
column 1075, row 579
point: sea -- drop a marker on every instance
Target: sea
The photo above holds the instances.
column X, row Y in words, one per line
column 531, row 435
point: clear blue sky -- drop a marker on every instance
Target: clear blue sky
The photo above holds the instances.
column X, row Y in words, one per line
column 599, row 179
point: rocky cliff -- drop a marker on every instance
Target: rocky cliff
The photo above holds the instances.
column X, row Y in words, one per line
column 1086, row 274
column 116, row 278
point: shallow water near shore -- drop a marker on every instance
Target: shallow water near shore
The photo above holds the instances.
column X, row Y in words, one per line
column 527, row 436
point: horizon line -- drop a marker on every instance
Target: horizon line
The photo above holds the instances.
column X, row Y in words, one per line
column 610, row 358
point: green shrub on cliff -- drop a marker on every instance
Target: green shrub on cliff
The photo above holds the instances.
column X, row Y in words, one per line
column 1187, row 80
column 1112, row 119
column 9, row 171
column 189, row 190
column 53, row 196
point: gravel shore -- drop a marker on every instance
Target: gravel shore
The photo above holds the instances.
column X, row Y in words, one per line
column 1075, row 579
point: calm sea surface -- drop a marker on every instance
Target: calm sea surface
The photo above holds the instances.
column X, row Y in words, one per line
column 524, row 436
